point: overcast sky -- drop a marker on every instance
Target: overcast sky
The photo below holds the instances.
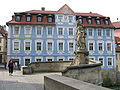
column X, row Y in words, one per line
column 109, row 8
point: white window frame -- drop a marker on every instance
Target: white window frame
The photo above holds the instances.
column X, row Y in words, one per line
column 111, row 62
column 18, row 45
column 49, row 58
column 101, row 51
column 92, row 57
column 39, row 35
column 70, row 20
column 106, row 33
column 60, row 20
column 60, row 36
column 39, row 58
column 98, row 32
column 49, row 51
column 60, row 41
column 111, row 46
column 60, row 58
column 49, row 35
column 25, row 32
column 91, row 32
column 16, row 35
column 71, row 41
column 70, row 58
column 30, row 45
column 38, row 51
column 103, row 61
column 27, row 58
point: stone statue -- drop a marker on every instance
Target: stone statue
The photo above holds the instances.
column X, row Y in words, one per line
column 80, row 36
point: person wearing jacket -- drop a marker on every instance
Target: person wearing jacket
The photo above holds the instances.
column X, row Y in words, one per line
column 10, row 66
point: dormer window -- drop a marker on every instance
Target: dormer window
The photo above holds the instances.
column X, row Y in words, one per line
column 39, row 18
column 50, row 19
column 80, row 20
column 28, row 18
column 98, row 21
column 106, row 21
column 89, row 21
column 18, row 18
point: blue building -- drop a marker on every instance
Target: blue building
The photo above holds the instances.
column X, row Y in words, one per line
column 40, row 35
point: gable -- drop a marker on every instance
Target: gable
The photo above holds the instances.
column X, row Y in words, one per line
column 65, row 10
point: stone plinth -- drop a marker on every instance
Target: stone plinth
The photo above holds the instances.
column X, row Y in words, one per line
column 86, row 72
column 81, row 57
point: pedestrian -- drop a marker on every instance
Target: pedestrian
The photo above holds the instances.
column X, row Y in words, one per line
column 10, row 66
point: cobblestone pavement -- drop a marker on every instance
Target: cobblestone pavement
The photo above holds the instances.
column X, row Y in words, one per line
column 22, row 82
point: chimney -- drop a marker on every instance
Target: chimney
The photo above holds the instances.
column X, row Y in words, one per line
column 13, row 17
column 43, row 8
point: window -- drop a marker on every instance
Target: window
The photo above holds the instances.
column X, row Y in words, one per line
column 100, row 47
column 38, row 60
column 38, row 46
column 71, row 47
column 106, row 22
column 90, row 32
column 18, row 18
column 28, row 18
column 60, row 18
column 70, row 19
column 71, row 31
column 27, row 61
column 60, row 31
column 60, row 59
column 49, row 30
column 39, row 30
column 80, row 20
column 49, row 60
column 108, row 33
column 49, row 19
column 89, row 21
column 27, row 46
column 109, row 61
column 28, row 30
column 61, row 46
column 70, row 59
column 91, row 58
column 39, row 18
column 99, row 32
column 16, row 30
column 98, row 21
column 49, row 46
column 16, row 46
column 101, row 60
column 109, row 48
column 91, row 46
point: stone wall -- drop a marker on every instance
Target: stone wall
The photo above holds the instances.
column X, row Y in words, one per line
column 109, row 74
column 57, row 82
column 54, row 66
column 86, row 72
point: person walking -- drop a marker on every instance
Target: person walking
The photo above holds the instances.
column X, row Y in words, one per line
column 5, row 64
column 10, row 66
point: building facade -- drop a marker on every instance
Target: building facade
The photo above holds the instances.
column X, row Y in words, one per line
column 3, row 44
column 40, row 35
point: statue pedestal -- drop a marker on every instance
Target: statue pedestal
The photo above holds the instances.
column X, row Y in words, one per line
column 81, row 57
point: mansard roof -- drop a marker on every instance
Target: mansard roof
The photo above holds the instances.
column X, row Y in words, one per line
column 63, row 10
column 36, row 12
